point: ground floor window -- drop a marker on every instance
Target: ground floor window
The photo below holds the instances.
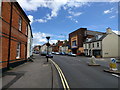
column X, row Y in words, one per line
column 97, row 52
column 18, row 50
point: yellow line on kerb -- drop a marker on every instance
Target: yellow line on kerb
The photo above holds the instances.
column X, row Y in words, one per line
column 62, row 77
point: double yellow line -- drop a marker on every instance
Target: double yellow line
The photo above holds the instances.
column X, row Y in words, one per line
column 62, row 77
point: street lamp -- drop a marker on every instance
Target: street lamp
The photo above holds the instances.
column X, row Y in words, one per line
column 48, row 44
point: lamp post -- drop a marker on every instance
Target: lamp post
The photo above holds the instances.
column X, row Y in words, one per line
column 48, row 44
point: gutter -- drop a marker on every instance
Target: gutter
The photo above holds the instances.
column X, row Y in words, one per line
column 9, row 43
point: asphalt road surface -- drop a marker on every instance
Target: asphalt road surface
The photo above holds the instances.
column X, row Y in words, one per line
column 80, row 75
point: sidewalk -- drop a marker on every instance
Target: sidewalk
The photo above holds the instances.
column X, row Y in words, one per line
column 37, row 74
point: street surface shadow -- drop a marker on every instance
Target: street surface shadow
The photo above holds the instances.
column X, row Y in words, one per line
column 17, row 75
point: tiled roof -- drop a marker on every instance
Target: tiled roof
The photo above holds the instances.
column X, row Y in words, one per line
column 89, row 32
column 94, row 39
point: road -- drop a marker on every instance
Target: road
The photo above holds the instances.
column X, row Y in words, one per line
column 80, row 75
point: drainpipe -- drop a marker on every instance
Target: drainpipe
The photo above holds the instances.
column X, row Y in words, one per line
column 9, row 44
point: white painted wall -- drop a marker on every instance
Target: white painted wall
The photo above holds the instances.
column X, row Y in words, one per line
column 110, row 45
column 29, row 43
column 44, row 48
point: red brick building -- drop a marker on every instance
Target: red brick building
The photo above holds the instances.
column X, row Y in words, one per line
column 77, row 37
column 55, row 47
column 13, row 35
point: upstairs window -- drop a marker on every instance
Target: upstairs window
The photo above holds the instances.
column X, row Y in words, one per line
column 97, row 44
column 26, row 29
column 18, row 51
column 93, row 45
column 20, row 24
column 74, row 43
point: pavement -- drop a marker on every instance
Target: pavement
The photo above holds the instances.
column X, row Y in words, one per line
column 37, row 74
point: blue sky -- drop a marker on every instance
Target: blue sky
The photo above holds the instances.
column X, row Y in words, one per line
column 58, row 19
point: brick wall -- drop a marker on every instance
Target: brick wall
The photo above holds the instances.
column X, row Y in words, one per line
column 16, row 35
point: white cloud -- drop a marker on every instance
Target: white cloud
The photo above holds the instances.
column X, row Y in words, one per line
column 112, row 17
column 39, row 38
column 31, row 18
column 111, row 10
column 55, row 6
column 76, row 21
column 107, row 11
column 53, row 41
column 117, row 32
column 41, row 20
column 75, row 13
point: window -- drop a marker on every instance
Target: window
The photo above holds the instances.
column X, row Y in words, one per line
column 20, row 24
column 26, row 29
column 93, row 45
column 97, row 44
column 74, row 43
column 18, row 51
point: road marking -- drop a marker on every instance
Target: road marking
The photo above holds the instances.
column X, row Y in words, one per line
column 116, row 75
column 62, row 77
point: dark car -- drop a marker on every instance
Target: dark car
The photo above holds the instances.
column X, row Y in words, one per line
column 49, row 55
column 61, row 53
column 36, row 52
column 43, row 53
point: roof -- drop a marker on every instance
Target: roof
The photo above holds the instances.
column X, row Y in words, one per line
column 89, row 32
column 96, row 38
column 78, row 30
column 21, row 10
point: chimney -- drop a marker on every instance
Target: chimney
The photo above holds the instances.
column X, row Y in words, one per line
column 108, row 30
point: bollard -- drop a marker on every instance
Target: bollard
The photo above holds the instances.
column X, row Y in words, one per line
column 113, row 65
column 93, row 62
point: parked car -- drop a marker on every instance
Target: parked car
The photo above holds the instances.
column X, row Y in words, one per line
column 66, row 54
column 80, row 54
column 71, row 54
column 62, row 53
column 49, row 55
column 57, row 53
column 36, row 52
column 43, row 53
column 53, row 52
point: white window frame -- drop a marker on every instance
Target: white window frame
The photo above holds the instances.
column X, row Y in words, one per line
column 20, row 24
column 18, row 51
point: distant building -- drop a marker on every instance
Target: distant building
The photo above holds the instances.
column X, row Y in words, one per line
column 37, row 48
column 64, row 47
column 44, row 48
column 14, row 37
column 103, row 45
column 55, row 47
column 77, row 37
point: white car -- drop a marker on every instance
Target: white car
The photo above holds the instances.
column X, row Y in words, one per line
column 57, row 53
column 71, row 54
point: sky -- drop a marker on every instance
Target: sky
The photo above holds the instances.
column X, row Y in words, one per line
column 58, row 18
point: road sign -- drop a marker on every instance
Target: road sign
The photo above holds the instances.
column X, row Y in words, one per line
column 113, row 65
column 113, row 60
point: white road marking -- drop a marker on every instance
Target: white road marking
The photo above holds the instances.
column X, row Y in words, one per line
column 116, row 75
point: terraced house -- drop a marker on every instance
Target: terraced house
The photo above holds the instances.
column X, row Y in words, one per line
column 13, row 35
column 103, row 45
